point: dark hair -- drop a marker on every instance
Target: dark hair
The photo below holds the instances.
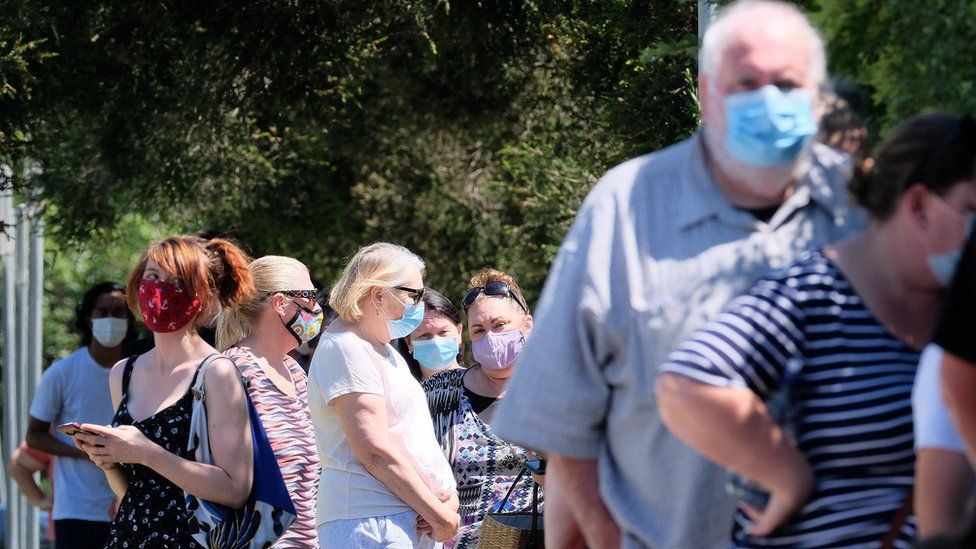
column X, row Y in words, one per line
column 936, row 150
column 86, row 306
column 433, row 301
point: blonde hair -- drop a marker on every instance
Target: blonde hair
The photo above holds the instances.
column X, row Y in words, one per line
column 494, row 275
column 271, row 273
column 379, row 264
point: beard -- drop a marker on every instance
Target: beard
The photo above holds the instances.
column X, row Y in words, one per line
column 760, row 180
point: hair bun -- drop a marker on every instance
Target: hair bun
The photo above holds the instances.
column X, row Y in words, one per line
column 232, row 279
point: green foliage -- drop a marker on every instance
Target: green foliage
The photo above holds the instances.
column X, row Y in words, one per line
column 909, row 55
column 70, row 270
column 469, row 131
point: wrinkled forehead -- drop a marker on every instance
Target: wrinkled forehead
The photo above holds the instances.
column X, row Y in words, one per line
column 767, row 52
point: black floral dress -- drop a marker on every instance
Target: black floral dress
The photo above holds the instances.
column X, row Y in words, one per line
column 153, row 512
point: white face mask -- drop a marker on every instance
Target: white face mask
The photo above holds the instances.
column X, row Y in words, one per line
column 109, row 331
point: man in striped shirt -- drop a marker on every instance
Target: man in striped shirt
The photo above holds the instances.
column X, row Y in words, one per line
column 660, row 245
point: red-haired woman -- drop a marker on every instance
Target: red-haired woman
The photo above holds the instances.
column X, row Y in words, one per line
column 177, row 284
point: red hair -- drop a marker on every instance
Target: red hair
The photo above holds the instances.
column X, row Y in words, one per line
column 213, row 269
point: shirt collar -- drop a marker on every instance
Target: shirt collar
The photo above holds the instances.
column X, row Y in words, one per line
column 702, row 199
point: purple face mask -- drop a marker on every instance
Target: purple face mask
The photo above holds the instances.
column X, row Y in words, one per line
column 498, row 351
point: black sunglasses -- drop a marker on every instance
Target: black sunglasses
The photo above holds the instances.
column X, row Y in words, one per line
column 495, row 288
column 417, row 294
column 304, row 294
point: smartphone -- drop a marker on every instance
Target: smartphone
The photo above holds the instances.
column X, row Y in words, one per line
column 72, row 428
column 535, row 466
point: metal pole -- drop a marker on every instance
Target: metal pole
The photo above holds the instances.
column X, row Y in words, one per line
column 10, row 440
column 24, row 508
column 706, row 13
column 35, row 351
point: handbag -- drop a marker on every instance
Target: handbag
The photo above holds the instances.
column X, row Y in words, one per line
column 268, row 512
column 519, row 530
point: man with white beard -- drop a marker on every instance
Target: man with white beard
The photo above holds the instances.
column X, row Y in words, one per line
column 660, row 245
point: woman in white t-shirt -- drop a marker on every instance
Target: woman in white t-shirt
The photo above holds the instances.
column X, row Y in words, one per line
column 385, row 481
column 944, row 480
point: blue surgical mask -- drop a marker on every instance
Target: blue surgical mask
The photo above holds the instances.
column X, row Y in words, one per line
column 768, row 127
column 413, row 315
column 943, row 265
column 437, row 353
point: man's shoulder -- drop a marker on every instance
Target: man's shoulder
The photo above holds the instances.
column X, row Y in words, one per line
column 836, row 166
column 645, row 174
column 69, row 363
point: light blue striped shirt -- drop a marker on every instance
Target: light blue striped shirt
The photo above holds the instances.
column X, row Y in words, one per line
column 655, row 252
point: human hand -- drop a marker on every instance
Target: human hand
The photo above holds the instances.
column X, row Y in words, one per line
column 108, row 446
column 423, row 527
column 445, row 526
column 784, row 502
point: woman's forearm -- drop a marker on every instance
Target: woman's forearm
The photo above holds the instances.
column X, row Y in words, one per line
column 204, row 481
column 732, row 427
column 581, row 513
column 391, row 467
column 117, row 481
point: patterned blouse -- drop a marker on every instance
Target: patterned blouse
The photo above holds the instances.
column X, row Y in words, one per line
column 288, row 422
column 485, row 466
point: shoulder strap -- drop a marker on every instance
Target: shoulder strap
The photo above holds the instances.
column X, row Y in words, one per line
column 198, row 387
column 127, row 373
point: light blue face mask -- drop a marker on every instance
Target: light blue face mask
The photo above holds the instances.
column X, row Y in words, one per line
column 413, row 315
column 943, row 265
column 767, row 127
column 437, row 353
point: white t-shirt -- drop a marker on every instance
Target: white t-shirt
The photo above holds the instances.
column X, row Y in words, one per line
column 75, row 388
column 933, row 427
column 344, row 363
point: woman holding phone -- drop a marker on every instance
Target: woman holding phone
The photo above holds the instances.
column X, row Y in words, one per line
column 177, row 284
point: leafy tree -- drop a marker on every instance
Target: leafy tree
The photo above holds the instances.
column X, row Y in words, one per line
column 469, row 131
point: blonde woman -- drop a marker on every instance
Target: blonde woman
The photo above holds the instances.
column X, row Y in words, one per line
column 385, row 482
column 257, row 335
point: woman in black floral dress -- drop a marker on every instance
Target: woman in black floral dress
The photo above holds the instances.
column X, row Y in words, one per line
column 144, row 454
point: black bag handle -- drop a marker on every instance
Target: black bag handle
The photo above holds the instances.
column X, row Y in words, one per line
column 535, row 502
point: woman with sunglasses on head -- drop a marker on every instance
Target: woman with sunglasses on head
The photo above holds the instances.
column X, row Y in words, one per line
column 804, row 384
column 435, row 345
column 462, row 403
column 177, row 284
column 280, row 315
column 385, row 482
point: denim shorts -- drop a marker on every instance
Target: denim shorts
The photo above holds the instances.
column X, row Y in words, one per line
column 397, row 531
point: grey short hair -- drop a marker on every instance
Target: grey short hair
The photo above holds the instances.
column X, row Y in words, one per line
column 732, row 18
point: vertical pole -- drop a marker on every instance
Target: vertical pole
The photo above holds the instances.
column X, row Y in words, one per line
column 35, row 352
column 706, row 12
column 10, row 440
column 23, row 354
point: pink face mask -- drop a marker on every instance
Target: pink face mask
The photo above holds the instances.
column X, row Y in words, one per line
column 498, row 351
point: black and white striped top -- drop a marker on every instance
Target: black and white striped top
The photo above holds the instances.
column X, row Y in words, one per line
column 852, row 390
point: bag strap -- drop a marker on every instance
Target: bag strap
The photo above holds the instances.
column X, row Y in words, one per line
column 197, row 388
column 511, row 489
column 901, row 517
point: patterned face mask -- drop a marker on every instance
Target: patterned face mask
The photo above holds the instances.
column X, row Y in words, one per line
column 305, row 324
column 166, row 306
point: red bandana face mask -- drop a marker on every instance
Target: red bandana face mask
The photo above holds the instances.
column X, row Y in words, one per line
column 166, row 306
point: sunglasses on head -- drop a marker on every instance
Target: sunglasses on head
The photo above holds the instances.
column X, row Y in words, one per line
column 304, row 294
column 496, row 288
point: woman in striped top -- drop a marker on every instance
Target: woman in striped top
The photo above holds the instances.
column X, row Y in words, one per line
column 834, row 339
column 281, row 315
